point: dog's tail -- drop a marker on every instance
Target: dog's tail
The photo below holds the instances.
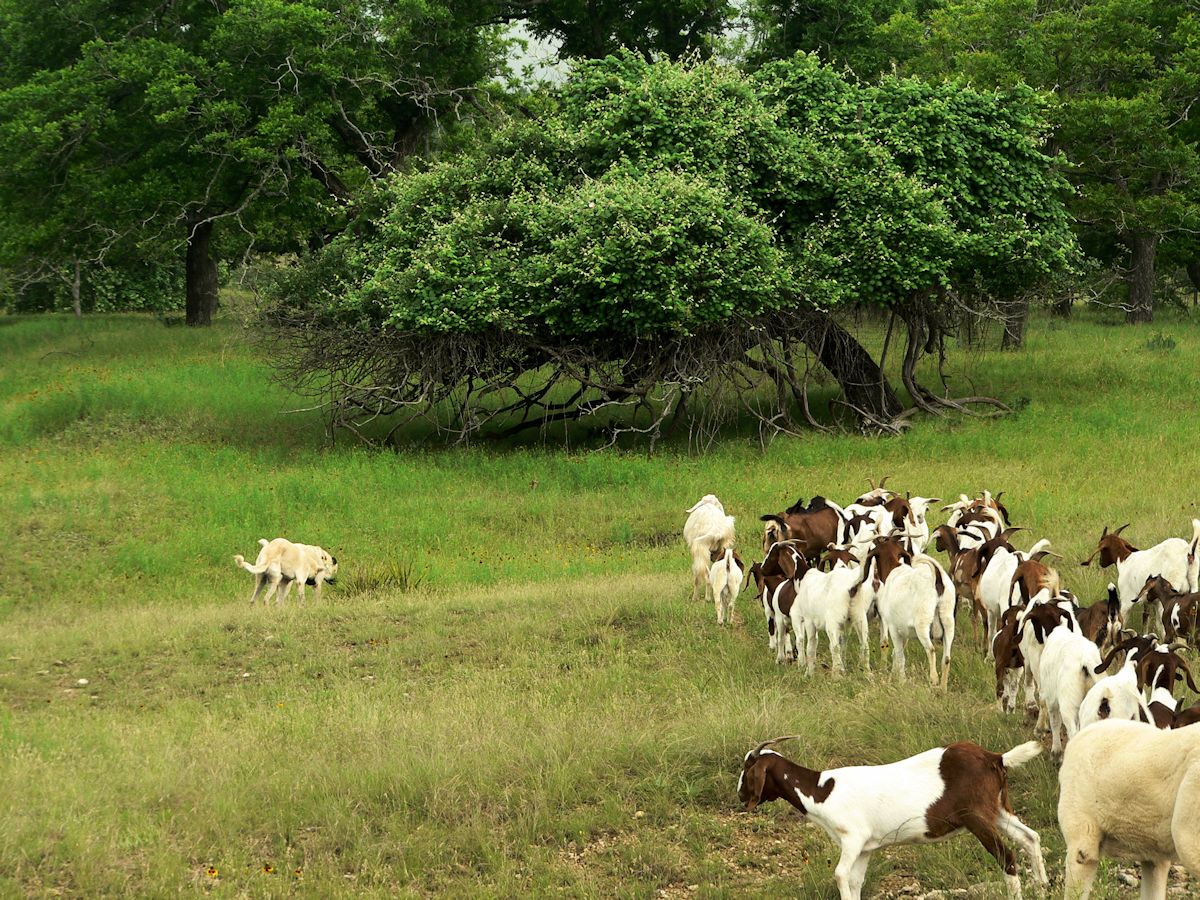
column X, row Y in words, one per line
column 253, row 570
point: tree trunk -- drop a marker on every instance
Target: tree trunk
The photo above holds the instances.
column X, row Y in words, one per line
column 1063, row 306
column 76, row 302
column 864, row 385
column 1143, row 248
column 1016, row 314
column 201, row 276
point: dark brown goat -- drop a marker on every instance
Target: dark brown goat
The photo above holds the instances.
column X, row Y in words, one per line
column 1006, row 647
column 1178, row 610
column 1112, row 548
column 816, row 526
column 1101, row 622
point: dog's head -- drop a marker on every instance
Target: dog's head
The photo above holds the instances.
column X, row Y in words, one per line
column 330, row 565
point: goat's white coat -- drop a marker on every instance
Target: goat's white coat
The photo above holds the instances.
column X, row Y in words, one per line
column 823, row 603
column 1065, row 674
column 910, row 605
column 725, row 579
column 707, row 529
column 1130, row 791
column 1121, row 691
column 1169, row 559
column 881, row 806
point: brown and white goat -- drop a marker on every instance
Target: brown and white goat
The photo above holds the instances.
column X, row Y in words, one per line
column 1101, row 622
column 965, row 569
column 929, row 797
column 1174, row 559
column 1009, row 661
column 1032, row 576
column 784, row 565
column 817, row 526
column 1176, row 610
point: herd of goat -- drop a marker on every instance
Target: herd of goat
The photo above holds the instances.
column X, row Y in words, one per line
column 828, row 568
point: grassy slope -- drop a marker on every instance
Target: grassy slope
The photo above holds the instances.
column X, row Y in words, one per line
column 499, row 728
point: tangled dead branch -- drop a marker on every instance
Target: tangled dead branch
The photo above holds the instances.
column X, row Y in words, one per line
column 377, row 383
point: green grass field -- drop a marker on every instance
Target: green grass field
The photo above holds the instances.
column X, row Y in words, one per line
column 508, row 692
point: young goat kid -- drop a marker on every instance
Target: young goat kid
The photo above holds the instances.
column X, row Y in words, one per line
column 928, row 797
column 725, row 578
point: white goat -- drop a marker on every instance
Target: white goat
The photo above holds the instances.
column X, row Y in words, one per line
column 1131, row 792
column 995, row 585
column 1115, row 697
column 917, row 600
column 1174, row 559
column 823, row 603
column 928, row 797
column 707, row 529
column 1067, row 671
column 725, row 578
column 915, row 532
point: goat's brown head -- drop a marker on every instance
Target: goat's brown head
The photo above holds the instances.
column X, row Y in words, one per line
column 1112, row 548
column 900, row 510
column 1156, row 588
column 754, row 786
column 1045, row 617
column 886, row 554
column 835, row 555
column 776, row 530
column 785, row 558
column 945, row 539
column 767, row 776
column 1162, row 666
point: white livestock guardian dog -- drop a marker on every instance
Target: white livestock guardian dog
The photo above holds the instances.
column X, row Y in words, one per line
column 282, row 562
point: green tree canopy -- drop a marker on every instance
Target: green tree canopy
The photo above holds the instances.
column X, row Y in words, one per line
column 1125, row 75
column 703, row 217
column 140, row 128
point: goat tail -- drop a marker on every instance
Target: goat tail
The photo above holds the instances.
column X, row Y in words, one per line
column 1021, row 754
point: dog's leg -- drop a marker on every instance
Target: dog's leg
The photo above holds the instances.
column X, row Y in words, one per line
column 274, row 576
column 283, row 593
column 259, row 582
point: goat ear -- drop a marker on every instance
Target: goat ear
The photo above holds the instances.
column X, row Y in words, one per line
column 787, row 562
column 754, row 779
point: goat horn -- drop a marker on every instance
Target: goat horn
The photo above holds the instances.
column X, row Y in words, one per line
column 765, row 744
column 998, row 496
column 883, row 480
column 1122, row 528
column 1104, row 532
column 871, row 482
column 1178, row 645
